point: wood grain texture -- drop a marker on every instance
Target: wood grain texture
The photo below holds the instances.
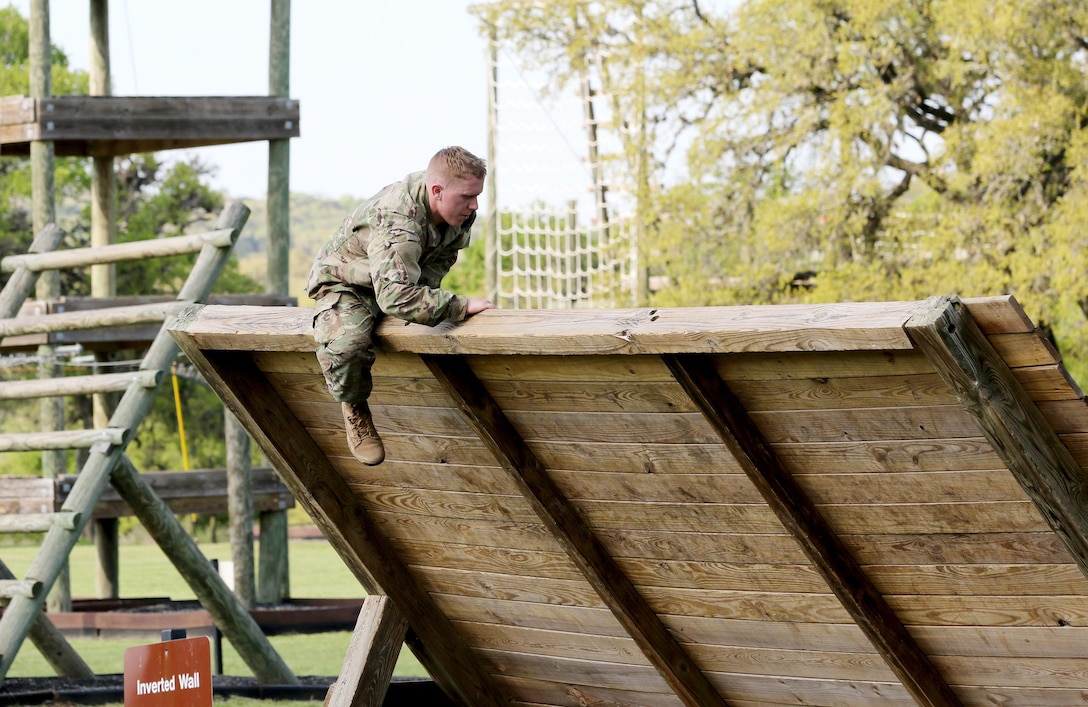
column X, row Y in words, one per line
column 907, row 477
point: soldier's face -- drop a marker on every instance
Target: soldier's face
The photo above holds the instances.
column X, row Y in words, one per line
column 458, row 200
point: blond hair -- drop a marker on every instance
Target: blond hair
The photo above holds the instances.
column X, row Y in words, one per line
column 456, row 163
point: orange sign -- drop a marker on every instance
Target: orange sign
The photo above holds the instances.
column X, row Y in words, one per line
column 169, row 674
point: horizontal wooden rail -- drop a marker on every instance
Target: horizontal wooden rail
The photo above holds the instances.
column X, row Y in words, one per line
column 77, row 385
column 200, row 491
column 72, row 321
column 37, row 522
column 28, row 588
column 69, row 439
column 116, row 252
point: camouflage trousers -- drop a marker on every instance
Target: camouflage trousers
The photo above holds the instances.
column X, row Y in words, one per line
column 344, row 323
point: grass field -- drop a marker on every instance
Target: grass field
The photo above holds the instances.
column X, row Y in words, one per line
column 316, row 572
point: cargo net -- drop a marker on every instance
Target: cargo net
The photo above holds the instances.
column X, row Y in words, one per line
column 556, row 243
column 549, row 261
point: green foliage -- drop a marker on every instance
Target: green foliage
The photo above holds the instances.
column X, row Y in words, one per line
column 894, row 149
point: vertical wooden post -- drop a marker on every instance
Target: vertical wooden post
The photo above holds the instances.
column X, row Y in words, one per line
column 274, row 567
column 279, row 155
column 273, row 581
column 491, row 242
column 107, row 578
column 48, row 287
column 240, row 508
column 103, row 282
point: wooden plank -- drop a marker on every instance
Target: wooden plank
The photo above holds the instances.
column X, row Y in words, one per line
column 326, row 497
column 536, row 693
column 684, row 606
column 999, row 315
column 1015, row 427
column 820, row 364
column 831, row 558
column 842, row 327
column 1018, row 350
column 578, row 541
column 890, row 456
column 1003, row 548
column 925, row 517
column 372, row 656
column 843, row 393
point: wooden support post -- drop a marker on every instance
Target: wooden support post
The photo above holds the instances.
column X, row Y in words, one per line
column 372, row 656
column 240, row 508
column 107, row 576
column 279, row 153
column 230, row 616
column 273, row 582
column 103, row 212
column 52, row 644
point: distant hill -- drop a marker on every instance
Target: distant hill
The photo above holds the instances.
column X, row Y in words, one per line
column 313, row 218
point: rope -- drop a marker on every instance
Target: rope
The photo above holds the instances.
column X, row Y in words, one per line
column 181, row 418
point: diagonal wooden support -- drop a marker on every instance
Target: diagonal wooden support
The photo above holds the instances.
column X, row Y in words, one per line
column 94, row 476
column 578, row 540
column 964, row 358
column 52, row 644
column 23, row 280
column 323, row 492
column 866, row 605
column 372, row 656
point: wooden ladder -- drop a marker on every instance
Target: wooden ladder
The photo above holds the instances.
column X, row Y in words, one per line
column 106, row 460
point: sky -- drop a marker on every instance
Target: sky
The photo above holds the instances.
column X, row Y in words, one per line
column 382, row 84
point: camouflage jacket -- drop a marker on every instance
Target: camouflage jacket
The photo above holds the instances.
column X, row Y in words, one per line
column 389, row 248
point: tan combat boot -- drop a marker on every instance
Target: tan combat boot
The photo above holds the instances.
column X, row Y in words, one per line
column 363, row 439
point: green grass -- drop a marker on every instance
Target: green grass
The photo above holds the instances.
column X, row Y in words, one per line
column 316, row 572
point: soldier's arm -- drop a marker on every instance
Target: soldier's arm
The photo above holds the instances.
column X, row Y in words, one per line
column 394, row 252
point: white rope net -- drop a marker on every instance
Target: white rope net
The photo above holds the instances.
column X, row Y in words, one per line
column 557, row 243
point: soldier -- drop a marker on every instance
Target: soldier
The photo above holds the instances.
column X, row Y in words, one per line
column 389, row 257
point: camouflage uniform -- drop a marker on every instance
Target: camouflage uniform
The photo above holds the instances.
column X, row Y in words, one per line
column 385, row 258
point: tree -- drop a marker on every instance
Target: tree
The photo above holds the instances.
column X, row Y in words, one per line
column 894, row 148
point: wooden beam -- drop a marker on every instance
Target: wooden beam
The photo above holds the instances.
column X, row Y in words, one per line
column 77, row 385
column 330, row 502
column 770, row 328
column 64, row 439
column 372, row 656
column 832, row 559
column 37, row 522
column 578, row 540
column 70, row 321
column 52, row 644
column 117, row 252
column 22, row 282
column 946, row 332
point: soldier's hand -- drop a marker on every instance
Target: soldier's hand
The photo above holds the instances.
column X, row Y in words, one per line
column 478, row 304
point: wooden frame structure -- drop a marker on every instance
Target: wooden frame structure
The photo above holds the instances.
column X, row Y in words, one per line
column 831, row 504
column 106, row 463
